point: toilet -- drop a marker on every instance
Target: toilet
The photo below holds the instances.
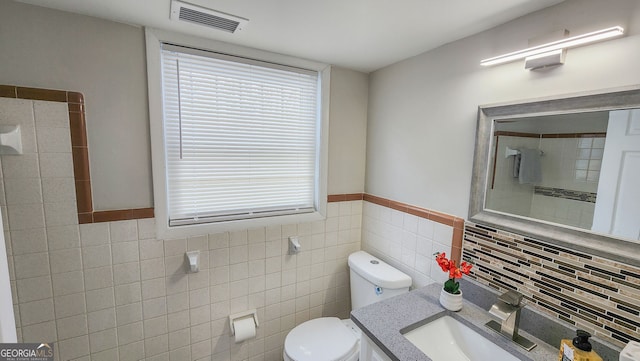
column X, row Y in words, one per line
column 332, row 339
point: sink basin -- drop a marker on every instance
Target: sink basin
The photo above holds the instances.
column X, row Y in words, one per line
column 447, row 339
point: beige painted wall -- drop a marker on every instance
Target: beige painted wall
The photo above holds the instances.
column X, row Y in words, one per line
column 106, row 61
column 347, row 131
column 422, row 111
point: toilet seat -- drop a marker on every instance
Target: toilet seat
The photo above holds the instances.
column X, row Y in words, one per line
column 322, row 339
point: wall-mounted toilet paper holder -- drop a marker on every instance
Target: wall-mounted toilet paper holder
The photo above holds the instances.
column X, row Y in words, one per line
column 242, row 315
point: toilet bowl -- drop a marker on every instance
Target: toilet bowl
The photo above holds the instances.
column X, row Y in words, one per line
column 324, row 338
column 332, row 339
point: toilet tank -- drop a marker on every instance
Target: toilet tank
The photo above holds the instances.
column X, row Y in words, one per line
column 373, row 280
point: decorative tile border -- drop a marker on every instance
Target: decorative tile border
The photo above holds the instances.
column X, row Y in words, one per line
column 345, row 197
column 566, row 194
column 449, row 220
column 589, row 292
column 80, row 152
column 558, row 135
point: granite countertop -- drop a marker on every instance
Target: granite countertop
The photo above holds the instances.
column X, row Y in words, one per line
column 383, row 321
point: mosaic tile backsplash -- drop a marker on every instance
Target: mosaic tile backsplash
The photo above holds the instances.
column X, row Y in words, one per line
column 589, row 292
column 566, row 194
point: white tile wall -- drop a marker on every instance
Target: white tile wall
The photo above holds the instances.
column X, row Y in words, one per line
column 509, row 195
column 405, row 241
column 563, row 211
column 112, row 291
column 131, row 300
column 561, row 156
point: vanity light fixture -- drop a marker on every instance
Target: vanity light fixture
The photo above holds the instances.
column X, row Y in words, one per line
column 555, row 46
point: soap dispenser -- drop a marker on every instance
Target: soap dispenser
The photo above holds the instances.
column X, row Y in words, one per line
column 578, row 349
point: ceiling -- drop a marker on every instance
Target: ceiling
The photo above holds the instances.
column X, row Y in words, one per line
column 363, row 35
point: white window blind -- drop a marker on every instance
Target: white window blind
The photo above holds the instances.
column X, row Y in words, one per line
column 241, row 137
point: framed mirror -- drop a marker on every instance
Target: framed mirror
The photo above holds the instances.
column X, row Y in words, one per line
column 565, row 170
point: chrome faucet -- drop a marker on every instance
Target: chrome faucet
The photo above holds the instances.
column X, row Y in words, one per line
column 507, row 310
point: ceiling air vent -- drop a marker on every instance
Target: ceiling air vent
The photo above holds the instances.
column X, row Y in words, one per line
column 198, row 15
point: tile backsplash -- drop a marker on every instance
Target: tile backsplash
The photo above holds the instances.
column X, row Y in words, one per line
column 592, row 293
column 113, row 291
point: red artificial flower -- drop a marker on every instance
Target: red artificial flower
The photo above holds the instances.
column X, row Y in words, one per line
column 454, row 272
column 443, row 262
column 465, row 267
column 451, row 285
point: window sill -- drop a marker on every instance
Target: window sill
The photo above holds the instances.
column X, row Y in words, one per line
column 175, row 232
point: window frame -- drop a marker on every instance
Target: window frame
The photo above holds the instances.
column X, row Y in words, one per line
column 154, row 38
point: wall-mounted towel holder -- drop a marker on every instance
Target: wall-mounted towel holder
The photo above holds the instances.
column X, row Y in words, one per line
column 509, row 152
column 194, row 261
column 10, row 139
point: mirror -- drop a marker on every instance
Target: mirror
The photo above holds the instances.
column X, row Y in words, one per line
column 565, row 170
column 548, row 167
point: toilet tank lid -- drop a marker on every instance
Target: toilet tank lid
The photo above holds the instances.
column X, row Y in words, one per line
column 377, row 271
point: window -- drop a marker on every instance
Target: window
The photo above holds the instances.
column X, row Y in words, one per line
column 241, row 138
column 589, row 159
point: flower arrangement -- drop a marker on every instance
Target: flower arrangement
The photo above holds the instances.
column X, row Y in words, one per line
column 451, row 285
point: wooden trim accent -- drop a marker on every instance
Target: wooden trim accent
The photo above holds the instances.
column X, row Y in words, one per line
column 449, row 220
column 458, row 236
column 85, row 218
column 552, row 135
column 77, row 125
column 83, row 196
column 80, row 152
column 345, row 197
column 354, row 197
column 7, row 91
column 75, row 97
column 122, row 214
column 516, row 134
column 442, row 218
column 41, row 94
column 399, row 206
column 419, row 212
column 495, row 162
column 576, row 135
column 139, row 213
column 592, row 135
column 377, row 200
